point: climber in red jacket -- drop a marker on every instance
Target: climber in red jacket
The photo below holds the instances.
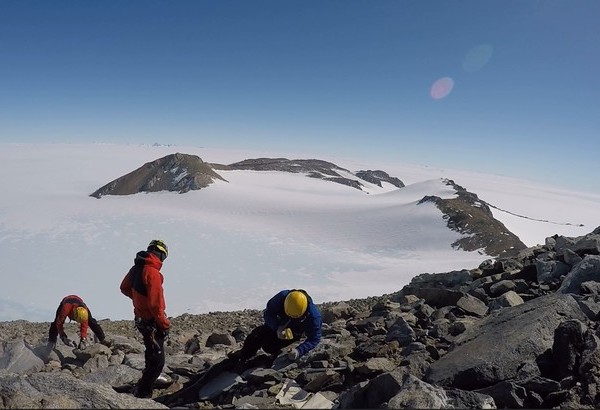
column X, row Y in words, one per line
column 74, row 308
column 143, row 284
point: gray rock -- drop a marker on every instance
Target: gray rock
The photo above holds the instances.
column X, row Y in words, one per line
column 375, row 366
column 540, row 385
column 591, row 287
column 502, row 287
column 372, row 394
column 588, row 244
column 417, row 394
column 495, row 348
column 220, row 338
column 550, row 271
column 506, row 394
column 92, row 351
column 508, row 299
column 96, row 363
column 437, row 297
column 15, row 357
column 135, row 360
column 322, row 380
column 61, row 390
column 590, row 307
column 127, row 345
column 337, row 311
column 114, row 375
column 571, row 258
column 472, row 305
column 258, row 376
column 567, row 347
column 402, row 332
column 586, row 270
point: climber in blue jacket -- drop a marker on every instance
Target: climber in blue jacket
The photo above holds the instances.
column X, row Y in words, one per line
column 290, row 315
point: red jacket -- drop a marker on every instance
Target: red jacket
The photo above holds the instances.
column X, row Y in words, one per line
column 65, row 310
column 143, row 284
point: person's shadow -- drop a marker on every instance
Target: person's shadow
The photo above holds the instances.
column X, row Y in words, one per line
column 44, row 351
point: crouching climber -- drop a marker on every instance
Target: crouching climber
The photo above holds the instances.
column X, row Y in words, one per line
column 289, row 316
column 74, row 308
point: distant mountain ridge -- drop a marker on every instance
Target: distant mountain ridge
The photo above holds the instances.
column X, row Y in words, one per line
column 316, row 168
column 183, row 172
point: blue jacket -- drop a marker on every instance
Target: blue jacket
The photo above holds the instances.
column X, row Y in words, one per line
column 309, row 324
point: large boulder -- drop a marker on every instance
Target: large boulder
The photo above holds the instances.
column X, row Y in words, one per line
column 15, row 357
column 586, row 270
column 494, row 349
column 64, row 391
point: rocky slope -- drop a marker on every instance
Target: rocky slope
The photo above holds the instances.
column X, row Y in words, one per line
column 315, row 168
column 176, row 172
column 515, row 332
column 470, row 216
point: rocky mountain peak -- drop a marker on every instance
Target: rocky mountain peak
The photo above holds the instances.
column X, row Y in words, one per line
column 175, row 172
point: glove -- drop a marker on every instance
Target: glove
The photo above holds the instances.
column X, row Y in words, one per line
column 285, row 333
column 293, row 354
column 82, row 344
column 67, row 341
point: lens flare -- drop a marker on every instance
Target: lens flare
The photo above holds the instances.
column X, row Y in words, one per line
column 477, row 58
column 441, row 88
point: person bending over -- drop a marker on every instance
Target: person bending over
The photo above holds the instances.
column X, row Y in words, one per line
column 74, row 308
column 289, row 316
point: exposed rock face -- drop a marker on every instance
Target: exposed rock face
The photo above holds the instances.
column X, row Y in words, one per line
column 468, row 215
column 443, row 341
column 316, row 168
column 377, row 177
column 176, row 172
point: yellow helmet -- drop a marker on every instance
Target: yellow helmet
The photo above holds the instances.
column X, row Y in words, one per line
column 295, row 304
column 160, row 245
column 80, row 314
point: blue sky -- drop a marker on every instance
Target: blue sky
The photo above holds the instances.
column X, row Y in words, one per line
column 506, row 87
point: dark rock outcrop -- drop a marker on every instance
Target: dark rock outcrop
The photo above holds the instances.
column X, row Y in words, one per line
column 176, row 172
column 320, row 169
column 469, row 215
column 377, row 177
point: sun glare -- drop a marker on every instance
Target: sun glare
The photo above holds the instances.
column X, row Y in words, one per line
column 441, row 88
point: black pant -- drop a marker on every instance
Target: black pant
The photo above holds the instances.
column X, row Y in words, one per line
column 93, row 324
column 266, row 338
column 154, row 356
